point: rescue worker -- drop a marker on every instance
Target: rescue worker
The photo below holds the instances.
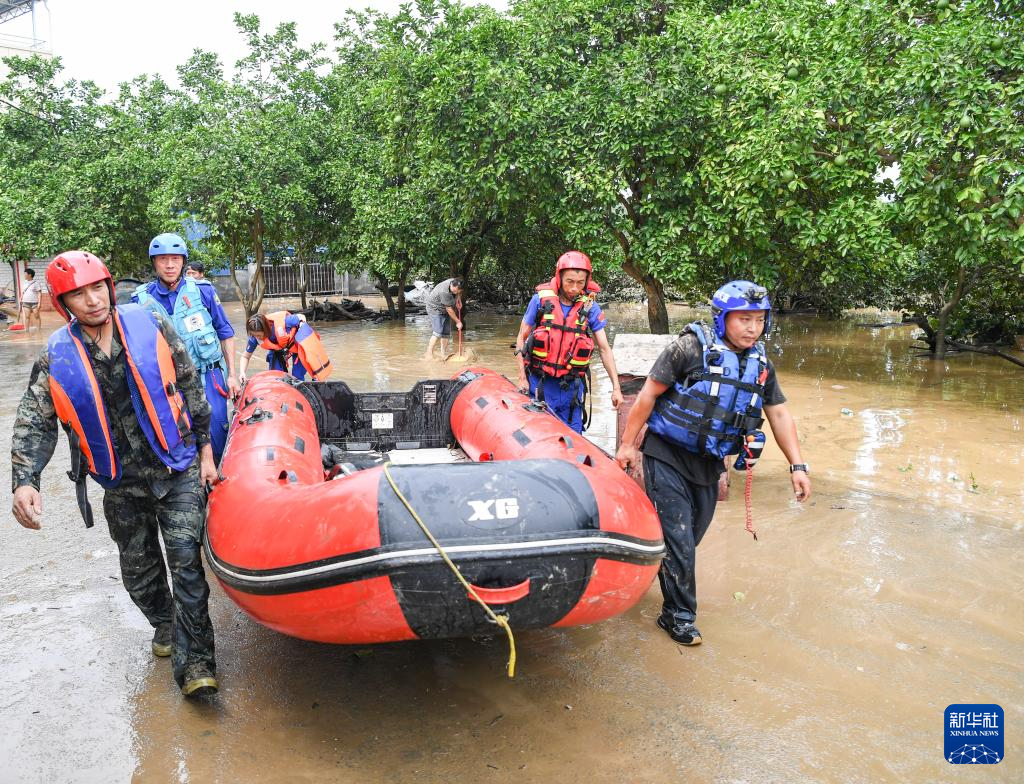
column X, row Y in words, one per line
column 704, row 394
column 194, row 308
column 120, row 382
column 444, row 307
column 196, row 269
column 556, row 340
column 288, row 339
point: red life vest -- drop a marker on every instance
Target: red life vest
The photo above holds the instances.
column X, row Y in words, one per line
column 301, row 341
column 159, row 406
column 561, row 344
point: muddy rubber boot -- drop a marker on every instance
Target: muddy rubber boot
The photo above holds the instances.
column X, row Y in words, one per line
column 199, row 681
column 684, row 633
column 161, row 644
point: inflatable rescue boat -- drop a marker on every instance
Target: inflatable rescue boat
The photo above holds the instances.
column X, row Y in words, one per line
column 542, row 523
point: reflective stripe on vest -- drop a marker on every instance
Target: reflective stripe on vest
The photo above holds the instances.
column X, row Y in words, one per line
column 192, row 321
column 561, row 343
column 720, row 406
column 159, row 406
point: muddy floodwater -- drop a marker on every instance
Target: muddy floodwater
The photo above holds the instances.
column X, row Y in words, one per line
column 832, row 644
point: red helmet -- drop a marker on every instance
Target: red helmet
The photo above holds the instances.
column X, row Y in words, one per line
column 573, row 260
column 71, row 270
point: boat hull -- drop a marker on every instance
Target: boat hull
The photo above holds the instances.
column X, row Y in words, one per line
column 541, row 522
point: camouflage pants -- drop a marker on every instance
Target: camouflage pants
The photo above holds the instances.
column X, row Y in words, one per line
column 133, row 515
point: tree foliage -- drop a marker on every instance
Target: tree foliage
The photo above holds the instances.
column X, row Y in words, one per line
column 842, row 153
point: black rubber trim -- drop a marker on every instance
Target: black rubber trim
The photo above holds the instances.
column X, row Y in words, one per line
column 342, row 575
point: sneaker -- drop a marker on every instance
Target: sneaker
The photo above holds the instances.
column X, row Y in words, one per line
column 199, row 681
column 683, row 632
column 161, row 644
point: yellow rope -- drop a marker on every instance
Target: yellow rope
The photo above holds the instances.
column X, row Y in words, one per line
column 501, row 620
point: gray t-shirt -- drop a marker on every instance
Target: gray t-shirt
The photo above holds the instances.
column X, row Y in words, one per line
column 682, row 359
column 440, row 298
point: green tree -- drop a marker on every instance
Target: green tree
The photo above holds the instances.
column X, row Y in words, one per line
column 237, row 153
column 610, row 132
column 792, row 189
column 76, row 171
column 952, row 120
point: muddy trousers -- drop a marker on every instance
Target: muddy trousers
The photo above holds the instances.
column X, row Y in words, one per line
column 685, row 511
column 134, row 514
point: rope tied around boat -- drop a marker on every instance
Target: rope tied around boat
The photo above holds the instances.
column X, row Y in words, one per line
column 500, row 620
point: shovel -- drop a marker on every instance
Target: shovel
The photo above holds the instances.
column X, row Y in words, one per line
column 460, row 357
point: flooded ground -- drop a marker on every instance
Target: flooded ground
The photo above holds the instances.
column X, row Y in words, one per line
column 832, row 644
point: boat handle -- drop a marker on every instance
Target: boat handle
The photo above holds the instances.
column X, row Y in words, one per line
column 502, row 595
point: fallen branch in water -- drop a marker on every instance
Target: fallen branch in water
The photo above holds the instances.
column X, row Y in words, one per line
column 984, row 349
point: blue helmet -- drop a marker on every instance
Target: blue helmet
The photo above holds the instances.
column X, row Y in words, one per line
column 740, row 295
column 169, row 244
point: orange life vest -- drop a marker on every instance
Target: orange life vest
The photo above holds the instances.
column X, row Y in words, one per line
column 561, row 344
column 152, row 380
column 302, row 341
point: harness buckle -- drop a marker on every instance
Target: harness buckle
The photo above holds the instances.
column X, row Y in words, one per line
column 745, row 422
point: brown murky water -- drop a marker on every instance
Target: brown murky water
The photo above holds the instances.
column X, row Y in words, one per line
column 832, row 645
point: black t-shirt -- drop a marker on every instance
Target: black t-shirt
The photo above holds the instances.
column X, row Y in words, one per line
column 681, row 359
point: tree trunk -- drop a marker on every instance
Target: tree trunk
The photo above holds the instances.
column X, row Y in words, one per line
column 403, row 277
column 929, row 333
column 301, row 259
column 233, row 256
column 257, row 283
column 942, row 317
column 940, row 334
column 465, row 269
column 382, row 286
column 657, row 311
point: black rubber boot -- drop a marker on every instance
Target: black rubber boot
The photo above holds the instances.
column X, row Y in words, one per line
column 199, row 681
column 162, row 640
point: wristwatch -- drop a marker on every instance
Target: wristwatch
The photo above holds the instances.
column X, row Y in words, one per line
column 799, row 467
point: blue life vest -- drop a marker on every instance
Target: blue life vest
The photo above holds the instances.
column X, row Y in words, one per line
column 152, row 383
column 710, row 413
column 191, row 319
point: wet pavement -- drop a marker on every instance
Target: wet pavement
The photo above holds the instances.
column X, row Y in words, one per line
column 832, row 644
